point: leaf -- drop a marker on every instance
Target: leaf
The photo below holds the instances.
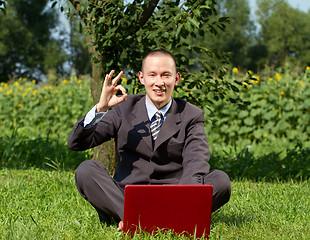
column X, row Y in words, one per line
column 224, row 19
column 249, row 121
column 193, row 22
column 191, row 62
column 234, row 88
column 178, row 30
column 101, row 20
column 243, row 114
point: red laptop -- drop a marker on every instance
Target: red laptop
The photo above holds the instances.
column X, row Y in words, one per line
column 185, row 209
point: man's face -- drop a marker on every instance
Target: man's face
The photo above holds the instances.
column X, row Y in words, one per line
column 159, row 77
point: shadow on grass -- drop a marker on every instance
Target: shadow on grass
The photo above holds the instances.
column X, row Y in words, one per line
column 272, row 166
column 17, row 152
column 238, row 219
column 21, row 153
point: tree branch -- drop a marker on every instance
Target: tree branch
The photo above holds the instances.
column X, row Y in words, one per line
column 146, row 14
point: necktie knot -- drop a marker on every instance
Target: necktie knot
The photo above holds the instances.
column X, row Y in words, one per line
column 156, row 124
column 158, row 116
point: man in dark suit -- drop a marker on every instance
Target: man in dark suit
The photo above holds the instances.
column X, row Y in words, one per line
column 169, row 149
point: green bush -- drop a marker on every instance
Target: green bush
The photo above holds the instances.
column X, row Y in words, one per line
column 268, row 139
column 43, row 110
column 279, row 111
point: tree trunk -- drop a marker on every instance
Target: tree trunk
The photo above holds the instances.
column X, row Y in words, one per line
column 105, row 153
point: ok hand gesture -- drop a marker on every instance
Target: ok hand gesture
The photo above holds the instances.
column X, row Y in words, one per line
column 108, row 98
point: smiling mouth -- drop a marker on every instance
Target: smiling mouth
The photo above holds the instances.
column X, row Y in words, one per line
column 159, row 90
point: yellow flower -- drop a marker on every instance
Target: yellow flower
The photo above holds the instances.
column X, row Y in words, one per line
column 268, row 92
column 0, row 89
column 9, row 92
column 307, row 68
column 16, row 84
column 270, row 79
column 261, row 96
column 257, row 79
column 78, row 82
column 57, row 90
column 278, row 76
column 5, row 85
column 282, row 93
column 124, row 80
column 29, row 89
column 75, row 78
column 65, row 81
column 182, row 79
column 24, row 79
column 55, row 108
column 35, row 92
column 301, row 82
column 33, row 82
column 235, row 70
column 25, row 93
column 19, row 105
column 20, row 89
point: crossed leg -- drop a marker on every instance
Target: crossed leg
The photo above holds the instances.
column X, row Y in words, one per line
column 107, row 196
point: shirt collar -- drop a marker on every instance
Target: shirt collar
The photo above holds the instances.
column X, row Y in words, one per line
column 151, row 109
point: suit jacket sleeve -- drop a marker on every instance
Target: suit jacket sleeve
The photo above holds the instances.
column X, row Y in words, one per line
column 81, row 138
column 196, row 152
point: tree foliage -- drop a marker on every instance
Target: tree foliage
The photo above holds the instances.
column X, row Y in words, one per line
column 26, row 45
column 285, row 33
column 239, row 35
column 120, row 33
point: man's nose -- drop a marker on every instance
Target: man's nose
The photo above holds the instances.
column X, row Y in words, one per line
column 159, row 81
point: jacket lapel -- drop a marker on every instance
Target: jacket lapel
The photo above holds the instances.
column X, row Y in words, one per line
column 170, row 125
column 141, row 123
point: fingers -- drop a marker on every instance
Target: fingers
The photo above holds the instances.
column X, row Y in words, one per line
column 115, row 80
column 120, row 88
column 108, row 77
column 123, row 97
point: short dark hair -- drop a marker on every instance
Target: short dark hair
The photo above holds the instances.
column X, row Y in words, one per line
column 158, row 52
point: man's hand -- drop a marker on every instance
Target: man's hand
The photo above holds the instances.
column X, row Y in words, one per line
column 108, row 98
column 120, row 226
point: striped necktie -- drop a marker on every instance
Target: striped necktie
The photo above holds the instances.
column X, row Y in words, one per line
column 156, row 124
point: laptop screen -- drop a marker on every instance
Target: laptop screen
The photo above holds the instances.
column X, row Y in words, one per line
column 184, row 209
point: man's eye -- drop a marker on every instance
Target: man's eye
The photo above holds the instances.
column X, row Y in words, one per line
column 166, row 75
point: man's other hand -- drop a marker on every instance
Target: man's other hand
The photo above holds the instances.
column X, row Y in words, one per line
column 120, row 226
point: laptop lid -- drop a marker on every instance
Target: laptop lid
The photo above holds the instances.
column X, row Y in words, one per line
column 183, row 208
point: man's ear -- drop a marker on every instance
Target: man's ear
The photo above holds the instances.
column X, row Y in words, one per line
column 140, row 75
column 177, row 79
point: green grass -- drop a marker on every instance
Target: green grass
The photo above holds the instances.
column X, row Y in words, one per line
column 40, row 204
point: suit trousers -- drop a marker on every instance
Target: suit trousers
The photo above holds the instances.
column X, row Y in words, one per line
column 107, row 196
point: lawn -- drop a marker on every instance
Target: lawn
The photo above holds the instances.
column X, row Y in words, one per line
column 40, row 204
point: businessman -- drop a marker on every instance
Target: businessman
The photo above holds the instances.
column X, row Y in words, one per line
column 158, row 140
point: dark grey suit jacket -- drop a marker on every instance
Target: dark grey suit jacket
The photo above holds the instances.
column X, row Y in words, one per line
column 180, row 153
